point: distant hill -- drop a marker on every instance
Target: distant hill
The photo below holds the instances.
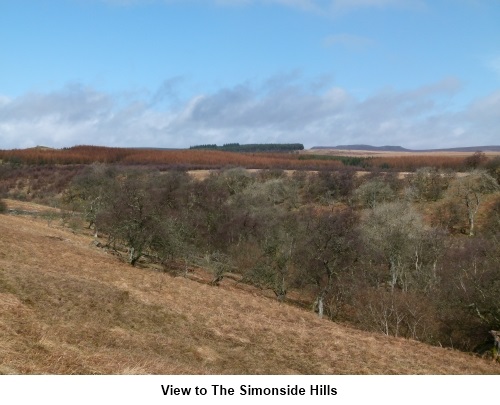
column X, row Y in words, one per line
column 387, row 148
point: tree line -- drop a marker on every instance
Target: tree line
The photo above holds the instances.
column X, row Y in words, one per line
column 416, row 257
column 253, row 147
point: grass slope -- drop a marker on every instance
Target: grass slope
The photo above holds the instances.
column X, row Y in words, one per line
column 67, row 307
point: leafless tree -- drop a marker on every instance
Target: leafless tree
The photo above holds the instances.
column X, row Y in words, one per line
column 470, row 192
column 496, row 344
column 326, row 249
column 273, row 269
column 397, row 233
column 428, row 184
column 476, row 160
column 89, row 192
column 373, row 193
column 129, row 217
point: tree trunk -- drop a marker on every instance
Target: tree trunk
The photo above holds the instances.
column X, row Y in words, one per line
column 320, row 307
column 133, row 257
column 471, row 224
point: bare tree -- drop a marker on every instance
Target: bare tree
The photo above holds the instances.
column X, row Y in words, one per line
column 273, row 269
column 470, row 192
column 326, row 249
column 411, row 250
column 428, row 184
column 169, row 239
column 129, row 216
column 328, row 186
column 476, row 160
column 496, row 343
column 236, row 179
column 469, row 290
column 89, row 191
column 281, row 191
column 219, row 264
column 373, row 193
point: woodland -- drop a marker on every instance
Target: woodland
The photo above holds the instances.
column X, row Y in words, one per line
column 414, row 255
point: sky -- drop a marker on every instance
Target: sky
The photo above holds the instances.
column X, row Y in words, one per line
column 175, row 73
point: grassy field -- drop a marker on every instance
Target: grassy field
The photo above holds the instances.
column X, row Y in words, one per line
column 67, row 307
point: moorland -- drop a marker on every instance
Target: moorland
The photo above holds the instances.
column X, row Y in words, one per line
column 128, row 261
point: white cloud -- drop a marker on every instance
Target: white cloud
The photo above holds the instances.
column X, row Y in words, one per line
column 278, row 110
column 486, row 111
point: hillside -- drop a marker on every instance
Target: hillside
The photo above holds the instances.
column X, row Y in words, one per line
column 361, row 157
column 388, row 148
column 67, row 307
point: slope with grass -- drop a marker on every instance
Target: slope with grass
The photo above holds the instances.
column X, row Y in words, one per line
column 67, row 307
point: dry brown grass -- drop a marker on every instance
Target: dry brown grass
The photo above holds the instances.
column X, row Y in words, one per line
column 29, row 207
column 67, row 307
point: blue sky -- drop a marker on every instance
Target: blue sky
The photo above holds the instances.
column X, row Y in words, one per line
column 175, row 73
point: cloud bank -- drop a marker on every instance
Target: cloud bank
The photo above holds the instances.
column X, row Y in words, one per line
column 272, row 111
